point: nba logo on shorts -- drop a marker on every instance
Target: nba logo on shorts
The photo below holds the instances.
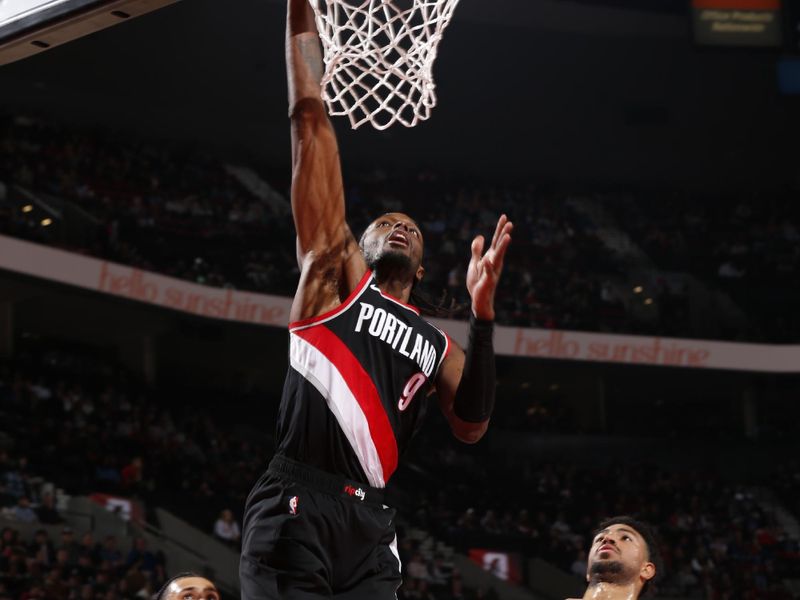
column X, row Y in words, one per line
column 293, row 505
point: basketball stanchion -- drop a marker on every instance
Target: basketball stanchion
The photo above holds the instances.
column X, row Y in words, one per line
column 379, row 57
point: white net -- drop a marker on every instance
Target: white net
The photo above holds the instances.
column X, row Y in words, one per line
column 379, row 57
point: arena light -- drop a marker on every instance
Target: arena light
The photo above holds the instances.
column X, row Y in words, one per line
column 47, row 222
column 27, row 208
column 648, row 301
column 638, row 289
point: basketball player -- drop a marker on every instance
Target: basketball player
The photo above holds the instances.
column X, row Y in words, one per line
column 622, row 561
column 362, row 362
column 187, row 586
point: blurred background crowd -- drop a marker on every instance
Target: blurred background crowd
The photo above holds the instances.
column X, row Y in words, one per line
column 77, row 422
column 681, row 265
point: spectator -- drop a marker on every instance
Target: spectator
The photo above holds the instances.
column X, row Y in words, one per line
column 46, row 511
column 89, row 549
column 109, row 553
column 23, row 511
column 69, row 546
column 132, row 476
column 457, row 587
column 489, row 522
column 417, row 568
column 579, row 565
column 226, row 528
column 42, row 549
column 141, row 559
column 16, row 480
column 440, row 573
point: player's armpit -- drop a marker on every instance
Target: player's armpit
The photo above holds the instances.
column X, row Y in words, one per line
column 327, row 278
column 447, row 383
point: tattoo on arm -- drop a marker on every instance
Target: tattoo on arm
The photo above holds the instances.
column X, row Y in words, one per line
column 312, row 57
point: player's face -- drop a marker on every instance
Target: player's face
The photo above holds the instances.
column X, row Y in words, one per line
column 192, row 588
column 619, row 554
column 394, row 234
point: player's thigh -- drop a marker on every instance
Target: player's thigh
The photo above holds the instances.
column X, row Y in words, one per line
column 282, row 557
column 292, row 573
column 380, row 583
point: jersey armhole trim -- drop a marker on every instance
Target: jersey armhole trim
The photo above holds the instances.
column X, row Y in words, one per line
column 447, row 345
column 359, row 289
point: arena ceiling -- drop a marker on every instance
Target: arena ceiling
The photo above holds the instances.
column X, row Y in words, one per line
column 588, row 91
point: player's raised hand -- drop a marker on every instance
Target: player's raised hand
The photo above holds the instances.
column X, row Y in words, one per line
column 484, row 270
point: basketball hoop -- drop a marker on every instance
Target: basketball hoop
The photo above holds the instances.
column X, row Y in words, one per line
column 379, row 57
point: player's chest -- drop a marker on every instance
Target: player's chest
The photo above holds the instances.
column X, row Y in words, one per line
column 391, row 339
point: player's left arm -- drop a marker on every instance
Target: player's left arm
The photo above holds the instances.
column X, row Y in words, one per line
column 466, row 380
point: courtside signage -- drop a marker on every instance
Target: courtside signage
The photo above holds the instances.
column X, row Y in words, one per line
column 143, row 286
column 127, row 282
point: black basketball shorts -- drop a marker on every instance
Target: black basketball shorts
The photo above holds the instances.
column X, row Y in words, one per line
column 308, row 534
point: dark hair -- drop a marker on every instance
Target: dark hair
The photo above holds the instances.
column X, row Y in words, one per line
column 161, row 594
column 648, row 535
column 445, row 307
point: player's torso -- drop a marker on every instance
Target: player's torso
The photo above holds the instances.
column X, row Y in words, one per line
column 357, row 384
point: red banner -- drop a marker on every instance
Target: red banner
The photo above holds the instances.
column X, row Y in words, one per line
column 503, row 565
column 127, row 509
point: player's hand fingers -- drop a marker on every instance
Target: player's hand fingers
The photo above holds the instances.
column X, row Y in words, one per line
column 500, row 252
column 498, row 229
column 477, row 248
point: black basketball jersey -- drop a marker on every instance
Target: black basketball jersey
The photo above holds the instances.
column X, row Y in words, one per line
column 357, row 384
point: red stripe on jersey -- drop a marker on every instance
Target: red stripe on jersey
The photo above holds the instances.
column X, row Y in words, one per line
column 339, row 309
column 362, row 388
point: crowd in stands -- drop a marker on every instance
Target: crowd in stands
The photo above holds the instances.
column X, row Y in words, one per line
column 183, row 215
column 95, row 431
column 716, row 539
column 186, row 215
column 74, row 422
column 89, row 427
column 750, row 247
column 42, row 568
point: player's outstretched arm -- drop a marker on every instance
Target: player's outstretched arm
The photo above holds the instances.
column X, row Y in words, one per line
column 325, row 245
column 466, row 381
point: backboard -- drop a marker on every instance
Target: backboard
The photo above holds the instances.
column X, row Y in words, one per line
column 28, row 27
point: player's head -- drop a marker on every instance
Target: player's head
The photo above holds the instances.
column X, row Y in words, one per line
column 187, row 586
column 623, row 552
column 393, row 243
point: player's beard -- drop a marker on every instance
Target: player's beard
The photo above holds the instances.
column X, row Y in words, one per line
column 608, row 571
column 389, row 262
